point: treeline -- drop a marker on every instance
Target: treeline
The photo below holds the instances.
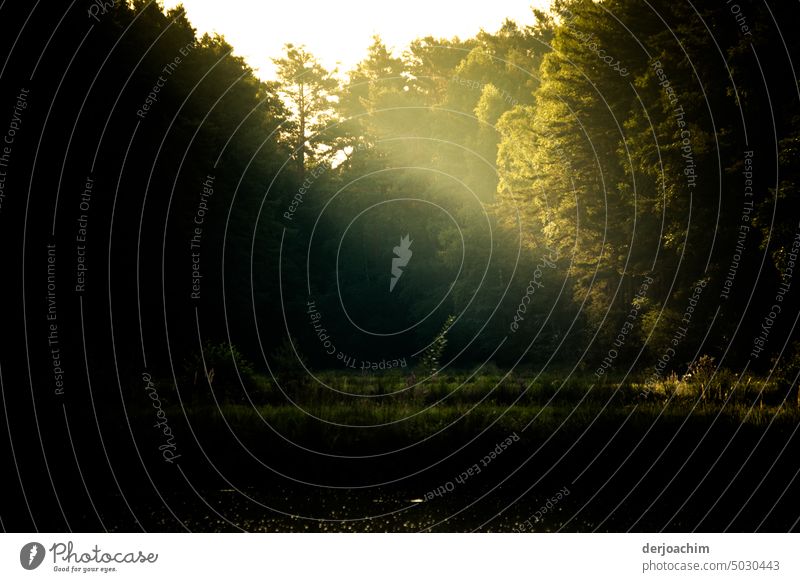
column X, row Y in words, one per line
column 622, row 174
column 614, row 183
column 180, row 145
column 139, row 164
column 660, row 147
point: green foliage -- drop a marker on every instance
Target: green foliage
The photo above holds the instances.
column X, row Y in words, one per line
column 309, row 88
column 430, row 359
column 287, row 361
column 785, row 373
column 486, row 150
column 706, row 383
column 550, row 403
column 219, row 371
column 671, row 387
column 701, row 370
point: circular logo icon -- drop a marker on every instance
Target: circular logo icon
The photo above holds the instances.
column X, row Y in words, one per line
column 31, row 555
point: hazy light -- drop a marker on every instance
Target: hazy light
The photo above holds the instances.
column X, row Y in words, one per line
column 340, row 32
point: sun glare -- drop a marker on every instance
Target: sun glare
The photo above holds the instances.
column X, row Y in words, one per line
column 258, row 30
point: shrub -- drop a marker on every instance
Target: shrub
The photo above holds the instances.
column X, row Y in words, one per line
column 221, row 368
column 710, row 383
column 784, row 374
column 287, row 363
column 431, row 356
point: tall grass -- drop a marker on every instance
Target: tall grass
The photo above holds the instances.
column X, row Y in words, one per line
column 357, row 411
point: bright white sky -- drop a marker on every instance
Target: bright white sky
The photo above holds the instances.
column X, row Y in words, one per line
column 341, row 31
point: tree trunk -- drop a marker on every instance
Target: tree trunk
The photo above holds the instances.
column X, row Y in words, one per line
column 301, row 146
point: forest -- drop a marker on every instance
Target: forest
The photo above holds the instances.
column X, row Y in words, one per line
column 567, row 247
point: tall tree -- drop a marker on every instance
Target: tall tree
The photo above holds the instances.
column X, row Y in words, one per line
column 308, row 88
